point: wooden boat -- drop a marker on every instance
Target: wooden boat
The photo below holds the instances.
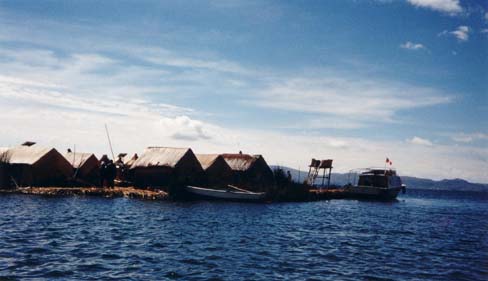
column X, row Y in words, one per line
column 376, row 184
column 229, row 194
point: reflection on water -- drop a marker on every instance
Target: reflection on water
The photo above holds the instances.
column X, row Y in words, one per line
column 424, row 235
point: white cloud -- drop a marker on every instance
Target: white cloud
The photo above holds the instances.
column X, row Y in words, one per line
column 168, row 58
column 360, row 100
column 193, row 129
column 467, row 138
column 40, row 108
column 461, row 33
column 52, row 120
column 412, row 46
column 65, row 100
column 446, row 6
column 420, row 141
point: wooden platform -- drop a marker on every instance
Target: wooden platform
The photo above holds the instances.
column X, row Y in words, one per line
column 129, row 192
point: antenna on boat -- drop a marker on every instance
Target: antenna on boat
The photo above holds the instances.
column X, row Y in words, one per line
column 109, row 142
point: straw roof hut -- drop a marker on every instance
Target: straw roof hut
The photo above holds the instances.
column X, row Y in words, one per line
column 85, row 165
column 217, row 172
column 166, row 166
column 31, row 165
column 250, row 171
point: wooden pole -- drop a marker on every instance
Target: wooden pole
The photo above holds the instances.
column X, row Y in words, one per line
column 323, row 177
column 109, row 142
column 328, row 179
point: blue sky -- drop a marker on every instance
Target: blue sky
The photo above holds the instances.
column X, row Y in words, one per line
column 351, row 80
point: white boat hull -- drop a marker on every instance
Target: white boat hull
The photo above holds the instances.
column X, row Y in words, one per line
column 230, row 195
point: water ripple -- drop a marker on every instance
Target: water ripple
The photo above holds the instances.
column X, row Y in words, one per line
column 420, row 237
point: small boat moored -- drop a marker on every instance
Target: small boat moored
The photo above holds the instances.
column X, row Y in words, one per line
column 229, row 194
column 376, row 184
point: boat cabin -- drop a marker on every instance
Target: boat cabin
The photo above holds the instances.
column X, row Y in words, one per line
column 379, row 178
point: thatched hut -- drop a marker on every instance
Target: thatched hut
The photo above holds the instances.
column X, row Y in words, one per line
column 250, row 171
column 217, row 172
column 86, row 166
column 166, row 166
column 37, row 166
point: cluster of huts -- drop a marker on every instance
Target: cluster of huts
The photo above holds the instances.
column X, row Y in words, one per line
column 157, row 167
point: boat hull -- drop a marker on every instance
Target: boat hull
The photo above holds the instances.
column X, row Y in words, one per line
column 372, row 193
column 225, row 195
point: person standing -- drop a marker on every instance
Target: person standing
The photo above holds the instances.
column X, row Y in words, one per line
column 111, row 172
column 103, row 170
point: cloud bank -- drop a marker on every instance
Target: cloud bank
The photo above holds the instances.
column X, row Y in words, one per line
column 446, row 6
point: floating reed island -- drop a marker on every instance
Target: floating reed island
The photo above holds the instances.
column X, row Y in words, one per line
column 128, row 192
column 158, row 173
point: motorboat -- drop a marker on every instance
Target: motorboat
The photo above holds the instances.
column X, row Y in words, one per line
column 375, row 183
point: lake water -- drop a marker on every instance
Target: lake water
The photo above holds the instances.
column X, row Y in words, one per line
column 425, row 235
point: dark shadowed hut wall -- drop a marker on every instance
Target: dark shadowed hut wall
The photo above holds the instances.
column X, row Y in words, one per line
column 217, row 171
column 37, row 166
column 250, row 171
column 166, row 166
column 85, row 167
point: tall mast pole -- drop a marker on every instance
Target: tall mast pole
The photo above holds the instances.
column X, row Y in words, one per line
column 109, row 142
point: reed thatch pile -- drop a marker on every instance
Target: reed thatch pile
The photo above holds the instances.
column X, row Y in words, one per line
column 128, row 192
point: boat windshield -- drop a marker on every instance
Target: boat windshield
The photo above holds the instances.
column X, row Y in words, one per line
column 379, row 180
column 394, row 181
column 373, row 180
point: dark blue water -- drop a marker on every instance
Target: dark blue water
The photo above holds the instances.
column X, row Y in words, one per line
column 425, row 235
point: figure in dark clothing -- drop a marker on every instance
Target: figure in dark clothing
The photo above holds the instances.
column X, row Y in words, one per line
column 111, row 172
column 103, row 170
column 103, row 173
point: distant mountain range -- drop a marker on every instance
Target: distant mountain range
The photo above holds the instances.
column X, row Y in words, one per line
column 411, row 182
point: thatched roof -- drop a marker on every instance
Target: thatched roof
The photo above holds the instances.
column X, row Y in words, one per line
column 77, row 159
column 160, row 157
column 239, row 161
column 206, row 160
column 129, row 160
column 26, row 154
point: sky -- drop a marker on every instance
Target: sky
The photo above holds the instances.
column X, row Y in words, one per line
column 351, row 80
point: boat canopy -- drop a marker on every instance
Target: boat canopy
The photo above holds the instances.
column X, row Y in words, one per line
column 379, row 179
column 379, row 171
